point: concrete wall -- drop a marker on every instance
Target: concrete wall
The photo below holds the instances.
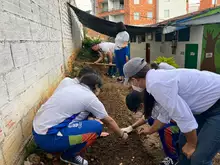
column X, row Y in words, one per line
column 36, row 44
column 175, row 7
column 196, row 37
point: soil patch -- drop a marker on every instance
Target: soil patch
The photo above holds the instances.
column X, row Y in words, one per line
column 112, row 150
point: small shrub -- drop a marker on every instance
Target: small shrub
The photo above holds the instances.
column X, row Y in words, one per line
column 169, row 60
column 86, row 53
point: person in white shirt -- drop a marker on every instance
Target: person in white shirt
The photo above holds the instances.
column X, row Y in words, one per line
column 169, row 134
column 121, row 48
column 61, row 124
column 140, row 99
column 189, row 97
column 67, row 81
column 162, row 65
column 104, row 48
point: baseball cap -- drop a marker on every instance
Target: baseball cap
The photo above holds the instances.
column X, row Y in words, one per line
column 133, row 100
column 133, row 66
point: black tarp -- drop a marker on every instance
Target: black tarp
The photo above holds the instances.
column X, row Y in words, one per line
column 107, row 27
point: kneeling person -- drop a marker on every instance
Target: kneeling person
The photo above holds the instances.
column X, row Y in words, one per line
column 169, row 134
column 61, row 124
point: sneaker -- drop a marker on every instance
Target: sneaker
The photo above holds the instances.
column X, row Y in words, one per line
column 168, row 161
column 78, row 160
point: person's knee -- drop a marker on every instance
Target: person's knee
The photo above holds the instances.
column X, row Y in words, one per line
column 98, row 127
column 199, row 158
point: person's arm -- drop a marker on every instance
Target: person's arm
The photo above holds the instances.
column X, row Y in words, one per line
column 166, row 94
column 138, row 123
column 110, row 57
column 112, row 125
column 98, row 110
column 101, row 57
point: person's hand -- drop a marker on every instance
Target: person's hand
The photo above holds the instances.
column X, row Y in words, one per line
column 145, row 131
column 124, row 136
column 128, row 129
column 110, row 63
column 188, row 150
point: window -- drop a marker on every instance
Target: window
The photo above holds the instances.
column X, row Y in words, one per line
column 158, row 37
column 170, row 36
column 136, row 16
column 150, row 1
column 136, row 2
column 166, row 13
column 184, row 34
column 133, row 38
column 141, row 38
column 150, row 15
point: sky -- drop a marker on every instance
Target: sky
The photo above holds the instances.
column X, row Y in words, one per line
column 86, row 4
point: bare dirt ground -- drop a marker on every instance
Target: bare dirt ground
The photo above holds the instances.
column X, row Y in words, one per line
column 144, row 150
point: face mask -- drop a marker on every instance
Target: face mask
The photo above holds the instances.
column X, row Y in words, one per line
column 137, row 88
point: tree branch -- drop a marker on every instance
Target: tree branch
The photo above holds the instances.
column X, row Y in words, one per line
column 217, row 37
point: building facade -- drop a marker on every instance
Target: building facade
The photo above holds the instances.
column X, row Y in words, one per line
column 205, row 4
column 139, row 12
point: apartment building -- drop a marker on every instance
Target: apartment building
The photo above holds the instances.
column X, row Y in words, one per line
column 139, row 12
column 205, row 4
column 167, row 9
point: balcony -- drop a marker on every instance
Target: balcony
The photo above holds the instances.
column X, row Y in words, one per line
column 115, row 10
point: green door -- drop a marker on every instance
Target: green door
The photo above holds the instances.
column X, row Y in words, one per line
column 191, row 56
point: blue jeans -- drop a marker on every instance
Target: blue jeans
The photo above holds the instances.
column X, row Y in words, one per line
column 75, row 138
column 120, row 59
column 208, row 138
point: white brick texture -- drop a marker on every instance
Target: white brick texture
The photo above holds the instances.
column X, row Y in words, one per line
column 32, row 52
column 15, row 83
column 19, row 53
column 6, row 61
column 3, row 92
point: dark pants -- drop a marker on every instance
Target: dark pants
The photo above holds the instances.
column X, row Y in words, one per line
column 112, row 69
column 208, row 138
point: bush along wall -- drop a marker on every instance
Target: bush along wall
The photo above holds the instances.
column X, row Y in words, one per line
column 86, row 53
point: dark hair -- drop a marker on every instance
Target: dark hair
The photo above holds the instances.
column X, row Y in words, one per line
column 91, row 80
column 154, row 65
column 149, row 103
column 134, row 100
column 120, row 27
column 86, row 70
column 142, row 73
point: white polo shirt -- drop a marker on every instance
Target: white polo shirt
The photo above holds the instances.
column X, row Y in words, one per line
column 182, row 93
column 66, row 106
column 67, row 81
column 107, row 47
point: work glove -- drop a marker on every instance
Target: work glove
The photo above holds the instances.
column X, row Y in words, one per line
column 128, row 129
column 124, row 136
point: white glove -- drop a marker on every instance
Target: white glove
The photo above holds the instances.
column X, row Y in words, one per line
column 124, row 136
column 128, row 129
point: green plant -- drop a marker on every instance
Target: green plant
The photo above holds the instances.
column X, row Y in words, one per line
column 86, row 53
column 169, row 60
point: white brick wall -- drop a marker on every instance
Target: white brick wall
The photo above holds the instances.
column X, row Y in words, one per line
column 35, row 43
